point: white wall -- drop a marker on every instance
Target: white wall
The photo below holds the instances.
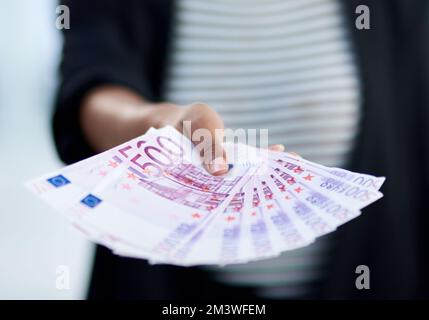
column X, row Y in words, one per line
column 34, row 240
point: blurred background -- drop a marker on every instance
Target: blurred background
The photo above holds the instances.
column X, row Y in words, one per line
column 35, row 242
column 37, row 245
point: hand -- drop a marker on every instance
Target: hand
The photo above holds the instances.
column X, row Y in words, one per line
column 190, row 120
column 202, row 116
column 111, row 115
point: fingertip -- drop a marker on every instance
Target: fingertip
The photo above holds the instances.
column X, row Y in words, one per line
column 219, row 173
column 217, row 167
column 277, row 148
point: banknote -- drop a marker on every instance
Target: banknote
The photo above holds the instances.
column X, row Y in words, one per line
column 151, row 198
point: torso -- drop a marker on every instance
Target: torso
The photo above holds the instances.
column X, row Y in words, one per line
column 284, row 65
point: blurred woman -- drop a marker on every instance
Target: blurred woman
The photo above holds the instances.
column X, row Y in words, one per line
column 327, row 90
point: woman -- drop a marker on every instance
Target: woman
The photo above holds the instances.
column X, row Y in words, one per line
column 333, row 93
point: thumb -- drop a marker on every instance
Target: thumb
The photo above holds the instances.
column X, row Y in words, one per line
column 207, row 134
column 215, row 161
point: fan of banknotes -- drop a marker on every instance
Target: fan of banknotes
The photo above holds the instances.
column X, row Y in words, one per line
column 151, row 198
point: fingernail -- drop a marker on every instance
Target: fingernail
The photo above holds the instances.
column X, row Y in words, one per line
column 217, row 165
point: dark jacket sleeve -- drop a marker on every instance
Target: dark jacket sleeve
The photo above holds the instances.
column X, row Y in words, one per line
column 425, row 117
column 99, row 48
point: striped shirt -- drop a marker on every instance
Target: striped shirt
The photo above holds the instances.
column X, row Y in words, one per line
column 284, row 65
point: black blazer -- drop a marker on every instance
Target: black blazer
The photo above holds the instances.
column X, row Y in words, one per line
column 126, row 42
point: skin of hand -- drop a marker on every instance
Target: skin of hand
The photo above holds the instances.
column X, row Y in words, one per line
column 111, row 115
